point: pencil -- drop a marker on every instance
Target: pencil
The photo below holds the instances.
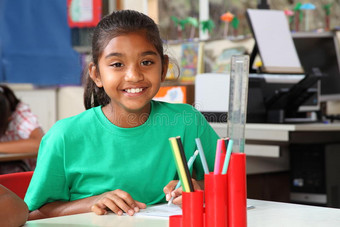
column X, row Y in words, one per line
column 187, row 173
column 227, row 157
column 218, row 156
column 202, row 156
column 179, row 163
column 190, row 162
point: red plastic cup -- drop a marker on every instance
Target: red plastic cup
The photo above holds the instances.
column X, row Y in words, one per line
column 192, row 208
column 216, row 200
column 175, row 221
column 237, row 191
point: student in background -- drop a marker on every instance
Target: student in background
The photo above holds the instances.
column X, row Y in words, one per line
column 116, row 155
column 20, row 131
column 13, row 210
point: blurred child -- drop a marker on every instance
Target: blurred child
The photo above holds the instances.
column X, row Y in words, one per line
column 20, row 131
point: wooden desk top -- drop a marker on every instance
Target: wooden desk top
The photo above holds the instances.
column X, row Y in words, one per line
column 17, row 156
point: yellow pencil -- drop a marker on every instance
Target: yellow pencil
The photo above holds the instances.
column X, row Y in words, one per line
column 180, row 164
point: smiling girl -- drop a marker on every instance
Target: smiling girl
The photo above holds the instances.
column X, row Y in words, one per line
column 116, row 156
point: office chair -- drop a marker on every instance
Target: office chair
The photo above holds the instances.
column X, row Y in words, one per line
column 17, row 182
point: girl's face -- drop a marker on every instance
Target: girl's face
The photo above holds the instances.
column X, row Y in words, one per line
column 130, row 71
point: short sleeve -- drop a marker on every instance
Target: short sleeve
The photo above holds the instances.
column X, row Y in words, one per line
column 49, row 182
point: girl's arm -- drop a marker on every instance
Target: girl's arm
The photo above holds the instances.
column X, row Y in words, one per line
column 117, row 201
column 29, row 145
column 14, row 210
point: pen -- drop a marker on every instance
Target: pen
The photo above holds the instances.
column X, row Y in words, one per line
column 190, row 163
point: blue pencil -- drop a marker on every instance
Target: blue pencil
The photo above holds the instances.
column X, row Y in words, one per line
column 202, row 156
column 227, row 157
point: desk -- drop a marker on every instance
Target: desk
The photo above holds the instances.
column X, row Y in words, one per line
column 268, row 214
column 91, row 219
column 278, row 153
column 16, row 156
column 265, row 214
column 267, row 145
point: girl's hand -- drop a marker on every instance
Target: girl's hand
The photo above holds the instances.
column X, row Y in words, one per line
column 117, row 201
column 177, row 194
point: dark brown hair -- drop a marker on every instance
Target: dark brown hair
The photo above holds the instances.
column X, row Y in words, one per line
column 8, row 104
column 116, row 24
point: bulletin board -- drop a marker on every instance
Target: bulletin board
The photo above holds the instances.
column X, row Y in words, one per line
column 83, row 13
column 35, row 44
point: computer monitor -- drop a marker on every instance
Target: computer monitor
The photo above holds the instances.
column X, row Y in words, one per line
column 321, row 50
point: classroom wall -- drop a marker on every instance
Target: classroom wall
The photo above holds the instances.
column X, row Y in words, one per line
column 214, row 47
column 66, row 101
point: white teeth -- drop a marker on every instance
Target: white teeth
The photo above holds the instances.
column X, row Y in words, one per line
column 134, row 90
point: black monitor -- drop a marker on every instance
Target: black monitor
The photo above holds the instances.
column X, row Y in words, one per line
column 321, row 50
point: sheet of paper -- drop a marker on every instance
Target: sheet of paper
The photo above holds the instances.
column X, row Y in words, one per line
column 162, row 210
column 165, row 210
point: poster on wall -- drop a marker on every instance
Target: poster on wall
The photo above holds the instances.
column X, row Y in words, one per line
column 83, row 13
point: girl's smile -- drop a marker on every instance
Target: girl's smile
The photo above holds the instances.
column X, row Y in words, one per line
column 130, row 70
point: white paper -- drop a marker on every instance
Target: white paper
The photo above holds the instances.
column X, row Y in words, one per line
column 162, row 210
column 165, row 210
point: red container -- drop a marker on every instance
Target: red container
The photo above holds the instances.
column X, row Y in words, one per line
column 237, row 191
column 175, row 221
column 192, row 208
column 216, row 200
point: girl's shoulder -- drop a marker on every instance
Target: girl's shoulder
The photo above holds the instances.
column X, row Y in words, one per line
column 76, row 122
column 161, row 106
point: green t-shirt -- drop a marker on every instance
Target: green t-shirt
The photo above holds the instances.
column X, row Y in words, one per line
column 87, row 155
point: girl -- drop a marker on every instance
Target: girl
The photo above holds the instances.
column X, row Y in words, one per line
column 20, row 131
column 116, row 155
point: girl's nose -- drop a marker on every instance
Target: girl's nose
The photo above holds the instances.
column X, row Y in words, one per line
column 134, row 74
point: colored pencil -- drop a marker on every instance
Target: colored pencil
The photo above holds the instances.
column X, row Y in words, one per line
column 202, row 156
column 187, row 173
column 218, row 160
column 227, row 157
column 190, row 163
column 180, row 162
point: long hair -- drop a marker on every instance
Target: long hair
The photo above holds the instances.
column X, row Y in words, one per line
column 8, row 104
column 113, row 25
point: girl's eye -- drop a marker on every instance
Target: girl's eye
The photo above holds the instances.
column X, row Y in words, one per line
column 145, row 63
column 117, row 64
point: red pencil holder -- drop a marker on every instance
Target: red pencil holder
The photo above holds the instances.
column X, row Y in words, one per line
column 216, row 200
column 192, row 211
column 237, row 191
column 175, row 221
column 192, row 208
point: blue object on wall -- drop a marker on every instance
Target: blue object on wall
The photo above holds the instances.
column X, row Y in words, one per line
column 35, row 43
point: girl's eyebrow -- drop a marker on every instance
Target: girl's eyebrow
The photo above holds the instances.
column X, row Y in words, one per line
column 150, row 52
column 116, row 54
